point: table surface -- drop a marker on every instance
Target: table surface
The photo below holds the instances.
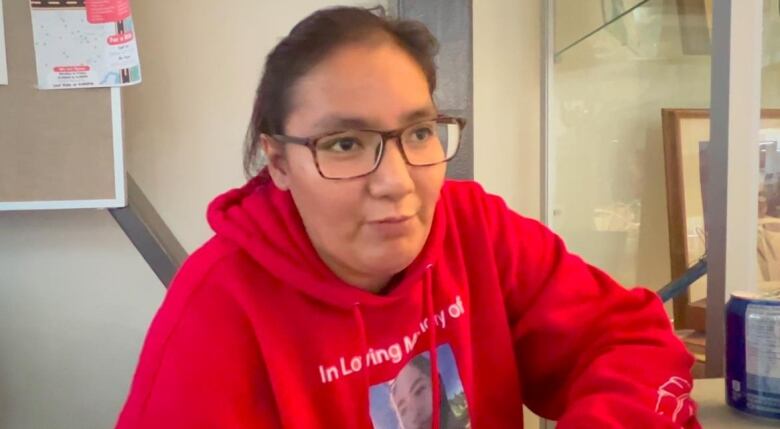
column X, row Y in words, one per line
column 714, row 413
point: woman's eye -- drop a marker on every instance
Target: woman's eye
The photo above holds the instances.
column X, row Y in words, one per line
column 343, row 145
column 419, row 391
column 422, row 134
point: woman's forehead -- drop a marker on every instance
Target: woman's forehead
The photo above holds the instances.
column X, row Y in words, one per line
column 329, row 117
column 372, row 87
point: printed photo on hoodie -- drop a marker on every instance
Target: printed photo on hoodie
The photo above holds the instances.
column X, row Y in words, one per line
column 405, row 402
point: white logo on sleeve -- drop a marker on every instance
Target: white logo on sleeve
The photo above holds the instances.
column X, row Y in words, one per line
column 674, row 399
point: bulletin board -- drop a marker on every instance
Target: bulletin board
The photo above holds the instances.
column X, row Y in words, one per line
column 58, row 148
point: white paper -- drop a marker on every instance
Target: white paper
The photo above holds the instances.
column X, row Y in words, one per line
column 3, row 63
column 71, row 52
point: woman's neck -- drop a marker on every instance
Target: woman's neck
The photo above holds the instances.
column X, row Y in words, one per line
column 368, row 282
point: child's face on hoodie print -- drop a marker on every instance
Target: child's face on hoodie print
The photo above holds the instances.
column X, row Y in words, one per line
column 411, row 393
column 370, row 228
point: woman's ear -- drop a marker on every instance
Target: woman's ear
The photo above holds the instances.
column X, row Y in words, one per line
column 277, row 162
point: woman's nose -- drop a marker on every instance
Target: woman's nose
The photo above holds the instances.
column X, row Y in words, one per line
column 392, row 177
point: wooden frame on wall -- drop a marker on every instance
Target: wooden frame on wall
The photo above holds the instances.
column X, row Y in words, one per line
column 683, row 130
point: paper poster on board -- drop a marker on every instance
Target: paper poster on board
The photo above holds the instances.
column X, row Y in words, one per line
column 84, row 43
column 3, row 61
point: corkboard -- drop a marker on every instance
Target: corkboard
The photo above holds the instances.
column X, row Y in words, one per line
column 58, row 148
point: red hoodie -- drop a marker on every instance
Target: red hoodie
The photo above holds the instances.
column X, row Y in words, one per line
column 257, row 332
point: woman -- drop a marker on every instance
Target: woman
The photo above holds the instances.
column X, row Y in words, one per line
column 348, row 254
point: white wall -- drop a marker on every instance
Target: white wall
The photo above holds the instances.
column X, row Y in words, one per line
column 507, row 76
column 75, row 301
column 507, row 104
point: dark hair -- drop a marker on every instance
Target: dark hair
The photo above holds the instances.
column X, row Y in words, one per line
column 308, row 43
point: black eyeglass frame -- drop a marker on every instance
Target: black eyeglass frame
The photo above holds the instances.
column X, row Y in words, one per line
column 311, row 143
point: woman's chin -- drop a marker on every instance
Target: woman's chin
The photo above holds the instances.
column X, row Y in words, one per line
column 390, row 260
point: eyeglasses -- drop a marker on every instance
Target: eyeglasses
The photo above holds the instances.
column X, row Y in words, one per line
column 355, row 153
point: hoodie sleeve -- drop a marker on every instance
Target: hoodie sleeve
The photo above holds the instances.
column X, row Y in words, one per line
column 590, row 352
column 200, row 366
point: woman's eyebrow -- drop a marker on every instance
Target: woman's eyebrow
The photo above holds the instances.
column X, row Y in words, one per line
column 401, row 404
column 418, row 114
column 346, row 123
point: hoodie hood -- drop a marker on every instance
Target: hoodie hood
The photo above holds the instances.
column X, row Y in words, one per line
column 264, row 222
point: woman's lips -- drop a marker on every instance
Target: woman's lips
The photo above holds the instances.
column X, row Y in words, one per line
column 391, row 220
column 393, row 226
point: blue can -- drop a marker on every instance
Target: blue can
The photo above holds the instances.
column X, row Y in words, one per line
column 753, row 353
